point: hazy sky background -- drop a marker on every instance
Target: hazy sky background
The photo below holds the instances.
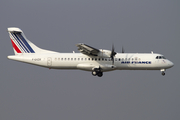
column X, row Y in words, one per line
column 29, row 92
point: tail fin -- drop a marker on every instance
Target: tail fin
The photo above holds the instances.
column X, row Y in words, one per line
column 21, row 44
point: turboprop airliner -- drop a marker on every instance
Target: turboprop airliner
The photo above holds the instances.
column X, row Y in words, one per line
column 90, row 59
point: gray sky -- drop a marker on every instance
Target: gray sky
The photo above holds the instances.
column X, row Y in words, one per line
column 29, row 92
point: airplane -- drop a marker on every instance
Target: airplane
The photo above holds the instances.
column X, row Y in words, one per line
column 90, row 59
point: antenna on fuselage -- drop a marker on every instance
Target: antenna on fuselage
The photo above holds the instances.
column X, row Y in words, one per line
column 123, row 49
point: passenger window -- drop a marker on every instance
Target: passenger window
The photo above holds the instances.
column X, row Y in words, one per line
column 74, row 58
column 157, row 57
column 119, row 59
column 92, row 58
column 88, row 58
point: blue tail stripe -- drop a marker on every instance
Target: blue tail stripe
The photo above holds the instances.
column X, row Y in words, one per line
column 25, row 42
column 24, row 45
column 19, row 42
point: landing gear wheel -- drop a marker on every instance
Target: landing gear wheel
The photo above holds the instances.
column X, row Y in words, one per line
column 97, row 71
column 94, row 73
column 99, row 74
column 163, row 73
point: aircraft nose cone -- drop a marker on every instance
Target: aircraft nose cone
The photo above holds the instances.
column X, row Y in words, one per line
column 171, row 64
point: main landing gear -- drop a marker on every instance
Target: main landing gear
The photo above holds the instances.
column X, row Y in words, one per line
column 97, row 72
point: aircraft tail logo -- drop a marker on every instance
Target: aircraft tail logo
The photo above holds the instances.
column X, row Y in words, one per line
column 19, row 41
column 22, row 45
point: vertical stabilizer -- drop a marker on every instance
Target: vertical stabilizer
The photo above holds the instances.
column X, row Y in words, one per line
column 21, row 44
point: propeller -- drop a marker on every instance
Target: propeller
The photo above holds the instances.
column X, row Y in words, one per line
column 112, row 54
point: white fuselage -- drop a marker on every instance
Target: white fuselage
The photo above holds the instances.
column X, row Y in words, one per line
column 90, row 59
column 122, row 61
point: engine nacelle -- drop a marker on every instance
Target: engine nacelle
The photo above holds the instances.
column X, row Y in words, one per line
column 104, row 53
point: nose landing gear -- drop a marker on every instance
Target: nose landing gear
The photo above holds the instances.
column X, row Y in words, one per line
column 163, row 72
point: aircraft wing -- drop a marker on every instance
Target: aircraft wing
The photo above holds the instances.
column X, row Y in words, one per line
column 88, row 50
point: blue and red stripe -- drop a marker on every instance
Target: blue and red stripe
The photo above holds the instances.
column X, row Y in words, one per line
column 15, row 47
column 21, row 44
column 25, row 42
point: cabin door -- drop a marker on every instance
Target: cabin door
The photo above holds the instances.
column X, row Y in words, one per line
column 49, row 61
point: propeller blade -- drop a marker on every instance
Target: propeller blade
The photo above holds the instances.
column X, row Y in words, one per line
column 112, row 60
column 112, row 54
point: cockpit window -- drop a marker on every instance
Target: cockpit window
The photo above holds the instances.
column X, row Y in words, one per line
column 163, row 57
column 160, row 57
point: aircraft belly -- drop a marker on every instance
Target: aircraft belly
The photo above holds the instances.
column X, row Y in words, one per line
column 136, row 67
column 64, row 65
column 85, row 66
